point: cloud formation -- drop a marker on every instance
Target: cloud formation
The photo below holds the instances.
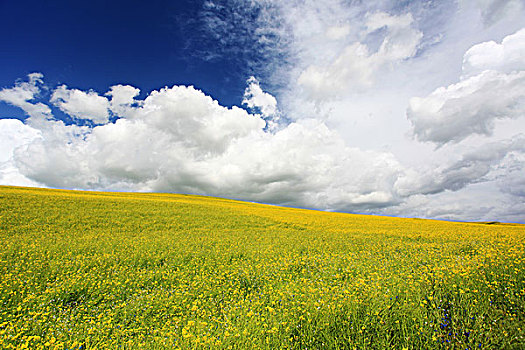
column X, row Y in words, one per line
column 261, row 102
column 469, row 107
column 378, row 107
column 472, row 167
column 427, row 83
column 355, row 67
column 81, row 105
column 22, row 95
column 505, row 57
column 492, row 87
column 180, row 140
column 14, row 135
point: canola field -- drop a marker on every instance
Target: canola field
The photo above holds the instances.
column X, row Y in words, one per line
column 92, row 270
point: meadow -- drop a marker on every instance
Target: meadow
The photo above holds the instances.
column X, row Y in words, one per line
column 93, row 270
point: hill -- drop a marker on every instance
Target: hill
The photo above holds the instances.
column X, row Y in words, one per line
column 91, row 270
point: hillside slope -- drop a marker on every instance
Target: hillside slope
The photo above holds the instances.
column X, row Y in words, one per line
column 87, row 270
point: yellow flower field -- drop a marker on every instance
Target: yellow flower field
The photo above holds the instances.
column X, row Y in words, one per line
column 93, row 270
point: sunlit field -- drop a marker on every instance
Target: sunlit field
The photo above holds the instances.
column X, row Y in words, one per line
column 87, row 270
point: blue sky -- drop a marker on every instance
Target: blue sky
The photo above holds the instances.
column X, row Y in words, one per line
column 412, row 108
column 96, row 44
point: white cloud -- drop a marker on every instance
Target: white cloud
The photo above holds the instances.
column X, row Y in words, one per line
column 123, row 98
column 82, row 105
column 401, row 40
column 505, row 57
column 343, row 73
column 359, row 78
column 261, row 102
column 195, row 120
column 356, row 67
column 14, row 135
column 337, row 32
column 23, row 93
column 475, row 166
column 469, row 107
column 452, row 113
column 180, row 140
column 353, row 68
column 255, row 97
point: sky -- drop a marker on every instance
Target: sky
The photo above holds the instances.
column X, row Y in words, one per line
column 401, row 108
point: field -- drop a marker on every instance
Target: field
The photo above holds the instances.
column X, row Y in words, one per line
column 92, row 270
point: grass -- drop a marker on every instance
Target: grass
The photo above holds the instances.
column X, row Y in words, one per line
column 88, row 270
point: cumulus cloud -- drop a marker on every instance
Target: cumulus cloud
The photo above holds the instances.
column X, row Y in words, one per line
column 333, row 133
column 123, row 99
column 483, row 184
column 180, row 140
column 473, row 167
column 505, row 57
column 195, row 120
column 14, row 135
column 452, row 113
column 261, row 102
column 357, row 65
column 22, row 95
column 255, row 97
column 81, row 105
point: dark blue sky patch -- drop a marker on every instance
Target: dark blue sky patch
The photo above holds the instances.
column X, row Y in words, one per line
column 96, row 44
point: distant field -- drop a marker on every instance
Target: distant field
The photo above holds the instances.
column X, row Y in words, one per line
column 88, row 270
